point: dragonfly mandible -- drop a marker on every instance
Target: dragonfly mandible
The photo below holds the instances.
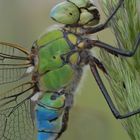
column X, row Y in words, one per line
column 38, row 86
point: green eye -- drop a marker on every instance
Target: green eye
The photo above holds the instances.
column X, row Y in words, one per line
column 65, row 13
column 76, row 12
column 80, row 3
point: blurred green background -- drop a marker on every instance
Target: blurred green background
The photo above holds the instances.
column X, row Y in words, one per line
column 22, row 21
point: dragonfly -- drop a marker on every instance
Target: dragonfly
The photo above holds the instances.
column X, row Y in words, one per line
column 38, row 86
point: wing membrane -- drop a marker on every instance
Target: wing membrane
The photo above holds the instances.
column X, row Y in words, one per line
column 15, row 113
column 14, row 60
column 16, row 122
column 12, row 51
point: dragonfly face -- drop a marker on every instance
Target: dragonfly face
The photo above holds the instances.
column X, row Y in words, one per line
column 38, row 86
column 76, row 13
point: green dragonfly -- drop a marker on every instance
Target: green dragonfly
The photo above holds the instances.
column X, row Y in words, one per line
column 38, row 86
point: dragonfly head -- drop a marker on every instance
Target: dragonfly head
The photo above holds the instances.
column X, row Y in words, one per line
column 76, row 13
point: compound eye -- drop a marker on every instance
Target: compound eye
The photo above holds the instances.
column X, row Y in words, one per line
column 65, row 13
column 80, row 3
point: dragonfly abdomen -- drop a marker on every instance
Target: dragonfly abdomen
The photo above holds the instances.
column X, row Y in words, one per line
column 49, row 115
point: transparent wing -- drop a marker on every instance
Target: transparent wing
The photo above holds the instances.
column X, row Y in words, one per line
column 14, row 60
column 16, row 121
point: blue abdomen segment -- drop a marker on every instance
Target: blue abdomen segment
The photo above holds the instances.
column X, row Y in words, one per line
column 49, row 116
column 46, row 136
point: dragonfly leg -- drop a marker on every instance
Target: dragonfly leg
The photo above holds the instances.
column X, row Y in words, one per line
column 105, row 24
column 111, row 49
column 65, row 115
column 65, row 119
column 104, row 91
column 99, row 64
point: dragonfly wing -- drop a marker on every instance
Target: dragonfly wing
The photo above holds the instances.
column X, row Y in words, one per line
column 14, row 61
column 16, row 121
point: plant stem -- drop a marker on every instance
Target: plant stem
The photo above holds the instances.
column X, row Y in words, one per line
column 124, row 73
